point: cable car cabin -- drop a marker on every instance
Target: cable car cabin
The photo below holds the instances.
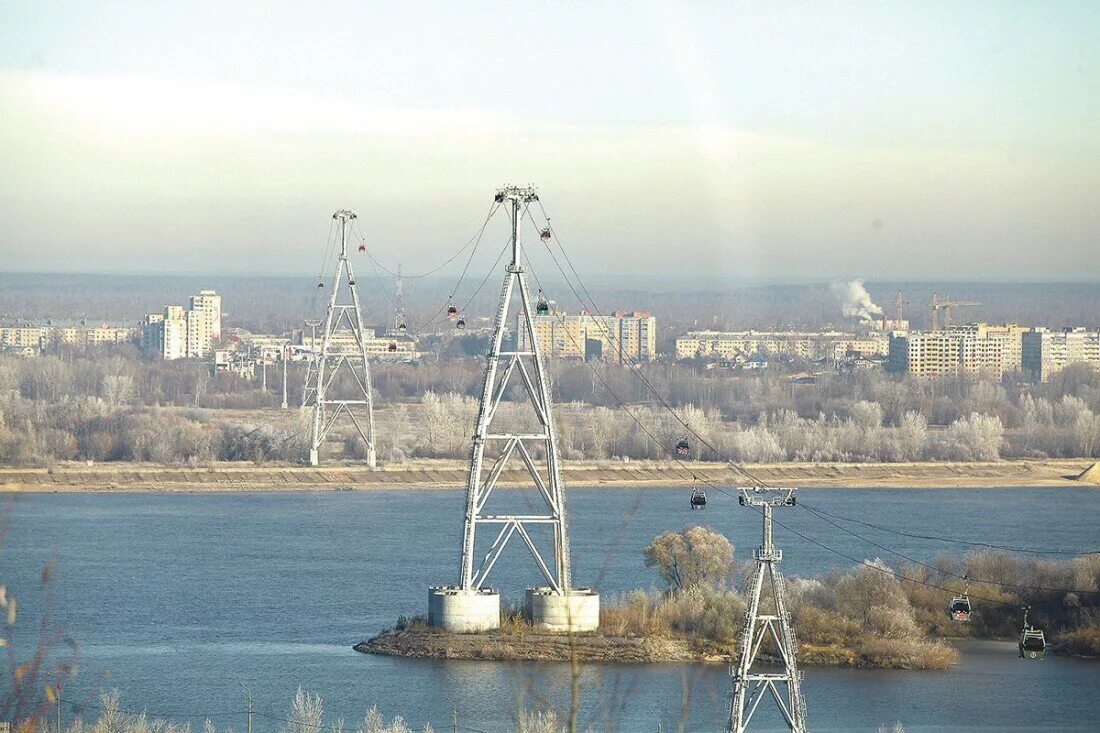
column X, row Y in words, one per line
column 698, row 499
column 402, row 327
column 683, row 448
column 391, row 347
column 542, row 307
column 959, row 608
column 351, row 282
column 362, row 248
column 545, row 234
column 460, row 324
column 452, row 312
column 1033, row 643
column 321, row 285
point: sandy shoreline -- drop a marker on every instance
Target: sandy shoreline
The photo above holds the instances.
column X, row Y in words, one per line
column 452, row 474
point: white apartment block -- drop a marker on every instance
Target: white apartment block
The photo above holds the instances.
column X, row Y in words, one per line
column 178, row 333
column 1047, row 352
column 733, row 345
column 973, row 348
column 622, row 337
column 82, row 336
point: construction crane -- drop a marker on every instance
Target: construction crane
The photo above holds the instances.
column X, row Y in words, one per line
column 945, row 305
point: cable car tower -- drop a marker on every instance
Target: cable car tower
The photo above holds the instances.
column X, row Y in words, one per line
column 472, row 605
column 344, row 317
column 749, row 686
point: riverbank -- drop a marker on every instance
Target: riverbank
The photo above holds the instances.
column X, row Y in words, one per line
column 429, row 474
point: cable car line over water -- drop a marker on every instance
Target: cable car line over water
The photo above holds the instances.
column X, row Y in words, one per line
column 988, row 545
column 946, row 572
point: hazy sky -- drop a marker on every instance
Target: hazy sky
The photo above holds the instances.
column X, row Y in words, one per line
column 747, row 140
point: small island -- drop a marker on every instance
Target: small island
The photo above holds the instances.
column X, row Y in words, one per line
column 872, row 616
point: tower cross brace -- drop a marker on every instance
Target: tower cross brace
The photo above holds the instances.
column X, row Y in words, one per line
column 750, row 685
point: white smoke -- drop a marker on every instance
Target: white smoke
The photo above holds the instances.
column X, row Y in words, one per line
column 855, row 301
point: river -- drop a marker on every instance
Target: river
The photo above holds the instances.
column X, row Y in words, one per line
column 177, row 600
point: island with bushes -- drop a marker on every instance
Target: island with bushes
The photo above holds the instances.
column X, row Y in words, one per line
column 872, row 615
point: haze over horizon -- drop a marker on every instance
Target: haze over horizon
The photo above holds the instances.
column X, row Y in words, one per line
column 885, row 141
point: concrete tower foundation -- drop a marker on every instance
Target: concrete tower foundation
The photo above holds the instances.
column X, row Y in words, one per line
column 463, row 611
column 579, row 610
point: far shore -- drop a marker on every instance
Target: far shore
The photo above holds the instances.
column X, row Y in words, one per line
column 438, row 474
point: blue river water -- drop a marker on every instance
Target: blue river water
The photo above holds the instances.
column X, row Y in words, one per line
column 177, row 600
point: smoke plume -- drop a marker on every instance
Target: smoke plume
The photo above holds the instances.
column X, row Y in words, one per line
column 855, row 301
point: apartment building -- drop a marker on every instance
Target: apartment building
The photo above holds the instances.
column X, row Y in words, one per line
column 622, row 337
column 179, row 333
column 975, row 347
column 789, row 344
column 1047, row 352
column 53, row 335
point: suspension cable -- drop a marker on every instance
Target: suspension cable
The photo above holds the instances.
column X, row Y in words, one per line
column 988, row 545
column 946, row 572
column 629, row 360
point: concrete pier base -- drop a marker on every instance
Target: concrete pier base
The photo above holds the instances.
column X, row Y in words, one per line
column 463, row 611
column 579, row 610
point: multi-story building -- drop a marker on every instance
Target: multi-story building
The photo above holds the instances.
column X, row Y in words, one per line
column 383, row 348
column 24, row 336
column 204, row 323
column 1047, row 352
column 54, row 335
column 622, row 337
column 789, row 344
column 976, row 347
column 178, row 333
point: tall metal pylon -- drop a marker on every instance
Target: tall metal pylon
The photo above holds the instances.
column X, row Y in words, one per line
column 399, row 326
column 309, row 384
column 343, row 355
column 749, row 685
column 546, row 477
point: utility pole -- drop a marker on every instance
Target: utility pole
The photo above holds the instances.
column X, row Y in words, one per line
column 57, row 704
column 286, row 361
column 761, row 624
column 249, row 707
column 343, row 319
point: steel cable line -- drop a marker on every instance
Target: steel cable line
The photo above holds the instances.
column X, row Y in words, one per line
column 450, row 298
column 619, row 401
column 77, row 706
column 946, row 572
column 732, row 464
column 449, row 260
column 988, row 545
column 887, row 571
column 591, row 307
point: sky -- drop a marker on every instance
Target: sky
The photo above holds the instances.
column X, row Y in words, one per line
column 741, row 141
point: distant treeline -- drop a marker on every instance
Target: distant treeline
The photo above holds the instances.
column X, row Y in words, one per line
column 110, row 404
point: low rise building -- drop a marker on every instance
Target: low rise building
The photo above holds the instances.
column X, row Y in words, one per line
column 1047, row 352
column 53, row 335
column 787, row 344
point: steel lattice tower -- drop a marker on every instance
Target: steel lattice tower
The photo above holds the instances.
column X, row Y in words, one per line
column 342, row 318
column 547, row 478
column 749, row 686
column 309, row 384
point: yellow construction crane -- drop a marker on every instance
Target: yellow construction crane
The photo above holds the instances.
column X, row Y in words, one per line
column 945, row 305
